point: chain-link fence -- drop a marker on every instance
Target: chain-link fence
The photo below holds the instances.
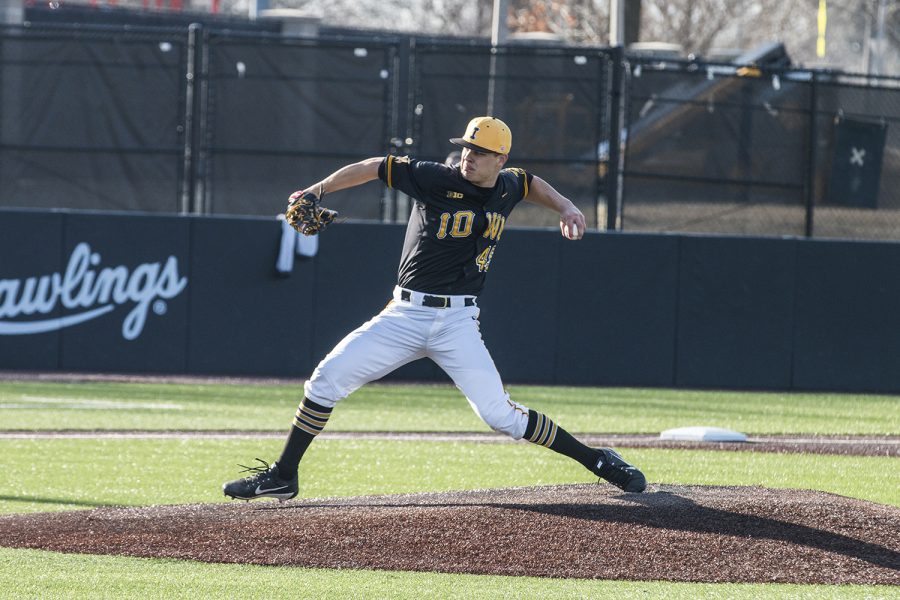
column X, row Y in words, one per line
column 556, row 101
column 225, row 122
column 92, row 119
column 730, row 150
column 279, row 113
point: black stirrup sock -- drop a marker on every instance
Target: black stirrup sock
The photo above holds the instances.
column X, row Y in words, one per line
column 541, row 430
column 308, row 423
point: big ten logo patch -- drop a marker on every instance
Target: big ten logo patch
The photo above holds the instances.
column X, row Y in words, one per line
column 455, row 195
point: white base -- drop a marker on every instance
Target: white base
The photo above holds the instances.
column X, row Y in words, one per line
column 703, row 434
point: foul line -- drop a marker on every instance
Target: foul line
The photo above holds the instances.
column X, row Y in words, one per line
column 431, row 436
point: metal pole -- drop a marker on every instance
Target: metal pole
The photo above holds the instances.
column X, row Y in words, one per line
column 256, row 8
column 882, row 42
column 202, row 187
column 613, row 183
column 189, row 170
column 616, row 22
column 867, row 46
column 499, row 34
column 499, row 29
column 810, row 182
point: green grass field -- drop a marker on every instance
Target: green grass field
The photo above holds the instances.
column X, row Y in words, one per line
column 45, row 575
column 137, row 472
column 66, row 474
column 42, row 405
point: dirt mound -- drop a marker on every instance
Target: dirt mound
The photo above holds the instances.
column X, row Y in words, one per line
column 675, row 533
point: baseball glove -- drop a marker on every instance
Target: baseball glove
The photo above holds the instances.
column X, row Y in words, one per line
column 306, row 215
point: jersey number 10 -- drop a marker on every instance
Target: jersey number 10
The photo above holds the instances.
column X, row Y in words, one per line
column 462, row 224
column 463, row 221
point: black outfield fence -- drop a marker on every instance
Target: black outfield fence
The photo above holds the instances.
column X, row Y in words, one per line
column 147, row 293
column 212, row 121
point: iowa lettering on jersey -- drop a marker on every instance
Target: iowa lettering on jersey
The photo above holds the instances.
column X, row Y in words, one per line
column 495, row 224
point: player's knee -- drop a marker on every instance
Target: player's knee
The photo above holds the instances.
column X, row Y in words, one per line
column 508, row 419
column 320, row 389
column 506, row 427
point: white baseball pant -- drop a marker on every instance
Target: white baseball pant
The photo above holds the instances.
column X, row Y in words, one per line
column 406, row 331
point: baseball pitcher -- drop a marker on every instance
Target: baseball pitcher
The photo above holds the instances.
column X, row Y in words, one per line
column 456, row 224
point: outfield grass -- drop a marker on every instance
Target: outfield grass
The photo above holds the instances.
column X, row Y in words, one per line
column 35, row 574
column 105, row 405
column 40, row 475
column 60, row 474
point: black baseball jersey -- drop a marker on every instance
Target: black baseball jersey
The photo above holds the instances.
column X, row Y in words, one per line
column 454, row 226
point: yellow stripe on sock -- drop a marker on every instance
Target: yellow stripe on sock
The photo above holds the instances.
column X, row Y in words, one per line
column 544, row 431
column 313, row 420
column 309, row 420
column 552, row 437
column 306, row 428
column 538, row 426
column 315, row 413
column 314, row 426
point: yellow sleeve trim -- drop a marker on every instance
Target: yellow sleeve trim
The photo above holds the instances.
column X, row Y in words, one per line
column 390, row 162
column 518, row 172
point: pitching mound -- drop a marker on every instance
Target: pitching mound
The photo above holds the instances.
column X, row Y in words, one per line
column 675, row 533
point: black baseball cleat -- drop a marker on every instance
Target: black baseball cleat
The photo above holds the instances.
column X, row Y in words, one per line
column 264, row 483
column 613, row 468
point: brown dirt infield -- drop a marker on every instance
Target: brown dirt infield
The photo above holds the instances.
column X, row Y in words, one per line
column 671, row 533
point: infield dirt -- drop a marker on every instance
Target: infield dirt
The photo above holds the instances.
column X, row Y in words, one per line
column 673, row 533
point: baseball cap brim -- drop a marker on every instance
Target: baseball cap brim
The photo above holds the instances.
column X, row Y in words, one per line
column 470, row 145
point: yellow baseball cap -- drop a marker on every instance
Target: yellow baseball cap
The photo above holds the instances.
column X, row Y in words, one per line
column 486, row 134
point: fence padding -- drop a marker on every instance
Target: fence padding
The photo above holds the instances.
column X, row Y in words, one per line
column 125, row 293
column 735, row 312
column 848, row 317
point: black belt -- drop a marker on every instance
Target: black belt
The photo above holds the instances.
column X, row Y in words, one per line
column 434, row 301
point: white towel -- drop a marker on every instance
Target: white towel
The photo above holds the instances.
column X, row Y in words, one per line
column 293, row 242
column 285, row 262
column 307, row 245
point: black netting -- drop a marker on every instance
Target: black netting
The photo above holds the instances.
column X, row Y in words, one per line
column 577, row 180
column 858, row 161
column 673, row 205
column 91, row 120
column 715, row 153
column 285, row 114
column 555, row 102
column 259, row 184
column 721, row 150
column 451, row 87
column 104, row 118
column 109, row 180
